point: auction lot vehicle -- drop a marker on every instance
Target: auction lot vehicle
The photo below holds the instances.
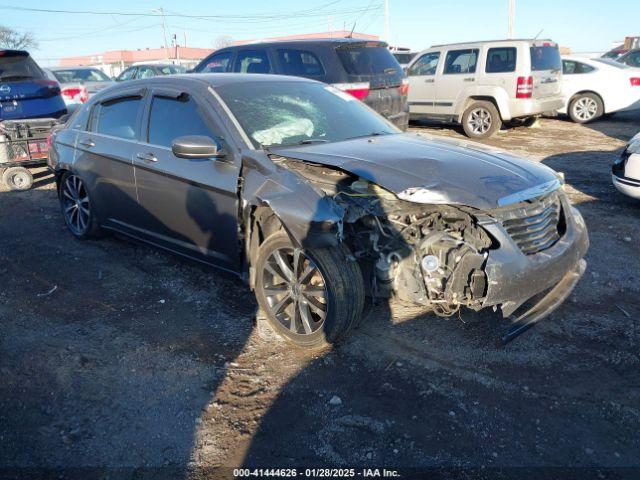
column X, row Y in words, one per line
column 30, row 105
column 631, row 58
column 317, row 201
column 483, row 84
column 625, row 171
column 365, row 69
column 137, row 72
column 79, row 83
column 596, row 87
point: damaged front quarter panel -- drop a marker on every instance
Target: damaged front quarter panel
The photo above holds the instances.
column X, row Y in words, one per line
column 311, row 218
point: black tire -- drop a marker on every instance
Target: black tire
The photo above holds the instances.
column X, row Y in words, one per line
column 17, row 178
column 481, row 120
column 83, row 225
column 585, row 108
column 331, row 314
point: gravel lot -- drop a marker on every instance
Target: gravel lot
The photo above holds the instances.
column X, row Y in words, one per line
column 141, row 365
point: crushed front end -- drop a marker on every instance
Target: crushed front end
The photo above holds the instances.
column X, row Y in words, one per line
column 526, row 254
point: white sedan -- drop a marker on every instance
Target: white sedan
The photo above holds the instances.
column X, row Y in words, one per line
column 625, row 171
column 596, row 87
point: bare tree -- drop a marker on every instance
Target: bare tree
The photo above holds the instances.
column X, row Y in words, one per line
column 222, row 41
column 10, row 38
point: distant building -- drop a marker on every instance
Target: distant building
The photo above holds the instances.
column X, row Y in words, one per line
column 113, row 62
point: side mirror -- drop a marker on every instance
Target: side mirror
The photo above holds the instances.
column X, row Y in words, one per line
column 196, row 146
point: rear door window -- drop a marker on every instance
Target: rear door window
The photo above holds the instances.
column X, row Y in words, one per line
column 118, row 118
column 425, row 65
column 185, row 116
column 633, row 59
column 364, row 60
column 145, row 72
column 546, row 57
column 501, row 60
column 218, row 63
column 300, row 62
column 461, row 61
column 570, row 67
column 252, row 61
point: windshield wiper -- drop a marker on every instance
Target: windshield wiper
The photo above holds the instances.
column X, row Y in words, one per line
column 308, row 141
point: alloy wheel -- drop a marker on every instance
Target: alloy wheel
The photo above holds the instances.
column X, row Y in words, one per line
column 295, row 290
column 75, row 205
column 585, row 108
column 479, row 121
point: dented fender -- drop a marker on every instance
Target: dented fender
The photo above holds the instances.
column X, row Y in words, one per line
column 312, row 219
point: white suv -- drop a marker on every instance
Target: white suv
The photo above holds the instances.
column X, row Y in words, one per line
column 482, row 84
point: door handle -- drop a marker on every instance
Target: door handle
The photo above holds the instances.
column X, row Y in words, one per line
column 429, row 80
column 147, row 157
column 470, row 79
column 87, row 143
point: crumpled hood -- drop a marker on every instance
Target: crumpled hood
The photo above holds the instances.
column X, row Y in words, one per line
column 451, row 171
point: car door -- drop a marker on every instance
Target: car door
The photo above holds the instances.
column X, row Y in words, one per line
column 575, row 78
column 189, row 206
column 458, row 73
column 422, row 83
column 104, row 157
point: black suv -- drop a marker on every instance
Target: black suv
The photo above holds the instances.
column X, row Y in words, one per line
column 365, row 69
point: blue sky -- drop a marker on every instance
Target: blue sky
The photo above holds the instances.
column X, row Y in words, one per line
column 583, row 25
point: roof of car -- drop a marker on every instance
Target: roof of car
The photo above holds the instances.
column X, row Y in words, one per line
column 307, row 41
column 504, row 40
column 13, row 52
column 202, row 79
column 79, row 67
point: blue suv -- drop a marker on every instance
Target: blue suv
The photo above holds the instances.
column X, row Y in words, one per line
column 25, row 91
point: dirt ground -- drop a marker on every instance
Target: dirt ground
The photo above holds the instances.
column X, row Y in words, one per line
column 141, row 365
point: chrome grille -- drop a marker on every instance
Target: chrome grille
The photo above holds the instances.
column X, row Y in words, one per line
column 533, row 225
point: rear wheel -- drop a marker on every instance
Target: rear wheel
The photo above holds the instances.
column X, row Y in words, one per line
column 76, row 207
column 481, row 120
column 312, row 297
column 585, row 107
column 17, row 178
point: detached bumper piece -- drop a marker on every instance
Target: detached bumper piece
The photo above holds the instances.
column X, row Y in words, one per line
column 552, row 300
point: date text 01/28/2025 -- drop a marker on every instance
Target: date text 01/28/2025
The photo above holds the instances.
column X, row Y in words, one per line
column 315, row 473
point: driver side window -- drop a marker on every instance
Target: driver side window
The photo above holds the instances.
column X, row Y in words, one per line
column 127, row 74
column 186, row 119
column 425, row 65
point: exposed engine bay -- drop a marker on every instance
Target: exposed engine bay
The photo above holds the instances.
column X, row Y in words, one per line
column 426, row 254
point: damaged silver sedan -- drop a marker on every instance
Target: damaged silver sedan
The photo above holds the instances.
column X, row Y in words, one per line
column 317, row 201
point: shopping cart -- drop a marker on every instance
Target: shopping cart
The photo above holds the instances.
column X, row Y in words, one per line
column 23, row 145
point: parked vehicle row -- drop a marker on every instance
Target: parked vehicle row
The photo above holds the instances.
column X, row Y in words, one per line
column 596, row 87
column 365, row 70
column 483, row 84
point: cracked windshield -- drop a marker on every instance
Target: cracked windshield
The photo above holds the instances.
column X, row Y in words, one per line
column 289, row 113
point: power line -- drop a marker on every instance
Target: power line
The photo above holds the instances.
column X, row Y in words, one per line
column 172, row 14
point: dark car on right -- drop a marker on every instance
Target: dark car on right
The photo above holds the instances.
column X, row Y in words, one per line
column 365, row 69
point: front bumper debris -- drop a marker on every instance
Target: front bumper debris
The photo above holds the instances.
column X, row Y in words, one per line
column 547, row 304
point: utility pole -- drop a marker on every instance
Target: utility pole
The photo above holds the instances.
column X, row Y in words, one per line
column 512, row 15
column 387, row 32
column 164, row 25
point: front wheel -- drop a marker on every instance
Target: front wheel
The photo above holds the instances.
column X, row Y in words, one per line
column 481, row 120
column 312, row 297
column 585, row 108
